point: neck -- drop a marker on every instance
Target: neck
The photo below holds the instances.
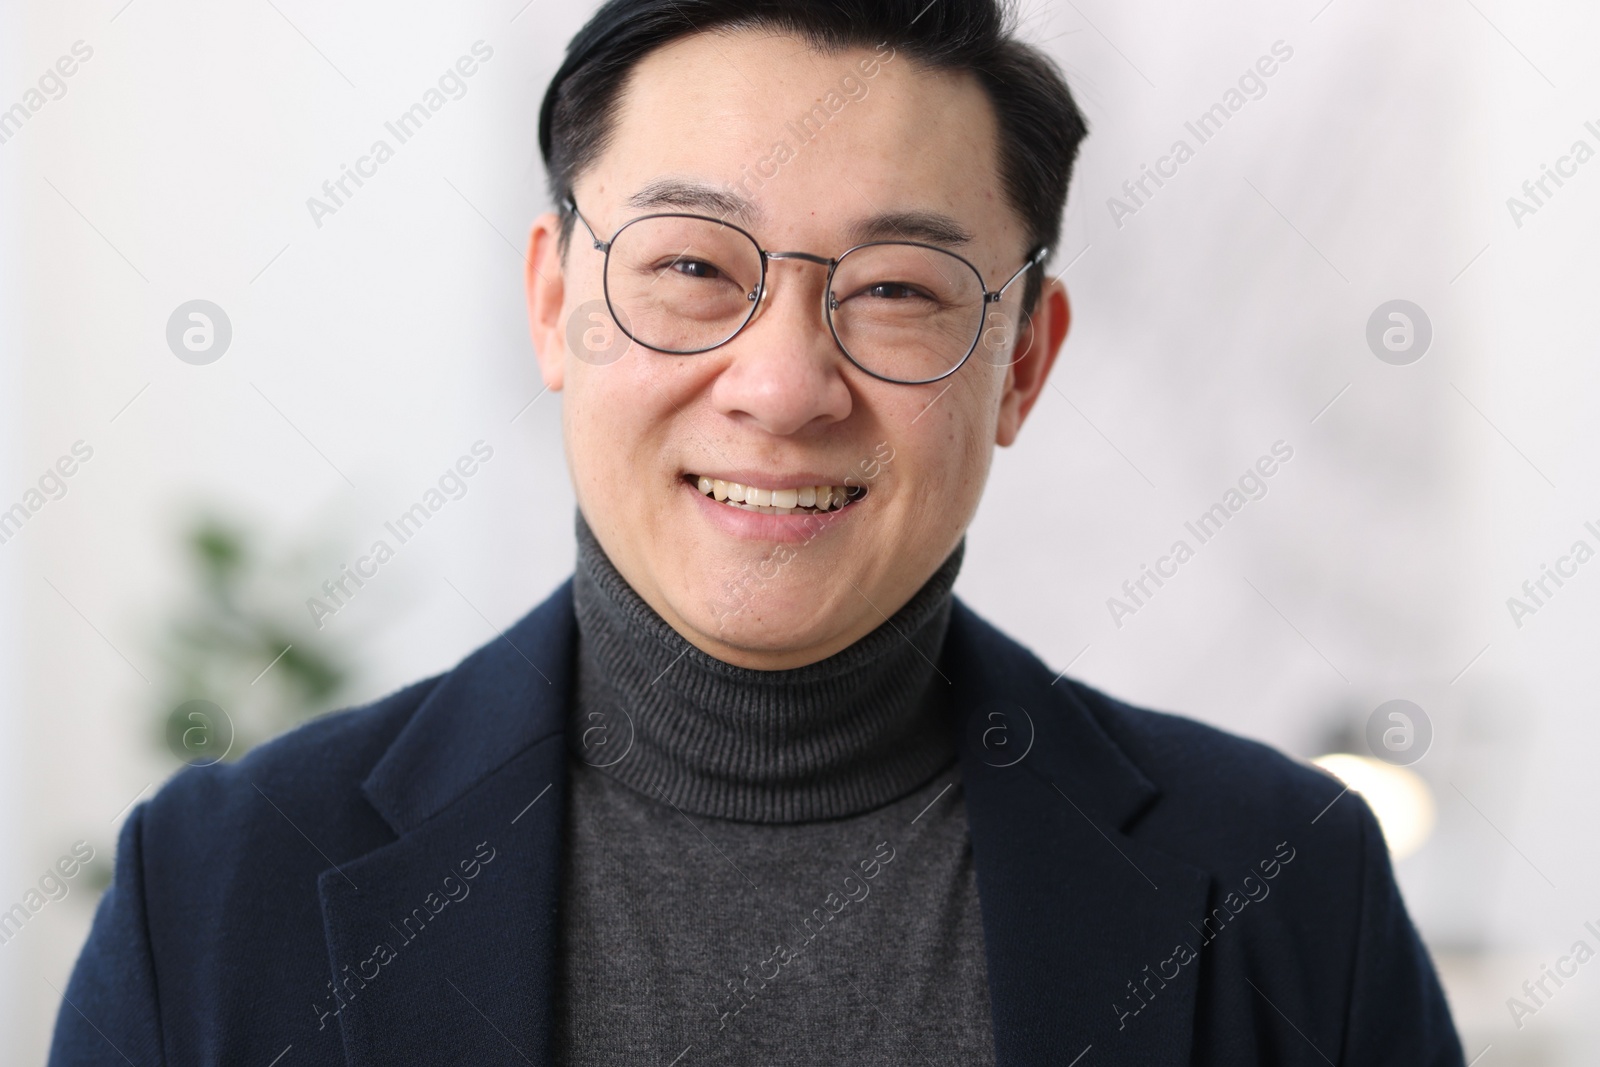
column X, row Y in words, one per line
column 845, row 734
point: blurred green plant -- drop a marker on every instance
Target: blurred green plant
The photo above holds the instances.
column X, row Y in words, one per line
column 238, row 667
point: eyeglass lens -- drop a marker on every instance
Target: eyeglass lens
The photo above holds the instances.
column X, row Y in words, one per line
column 683, row 285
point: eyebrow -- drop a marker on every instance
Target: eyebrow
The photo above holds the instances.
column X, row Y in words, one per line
column 929, row 227
column 675, row 192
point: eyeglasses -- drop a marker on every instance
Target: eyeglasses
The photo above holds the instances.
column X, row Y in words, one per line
column 901, row 311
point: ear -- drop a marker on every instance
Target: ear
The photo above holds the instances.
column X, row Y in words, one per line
column 1038, row 343
column 546, row 293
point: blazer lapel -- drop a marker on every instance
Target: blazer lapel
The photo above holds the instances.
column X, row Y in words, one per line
column 442, row 943
column 1082, row 923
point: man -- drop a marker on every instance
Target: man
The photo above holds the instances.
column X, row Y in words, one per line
column 753, row 788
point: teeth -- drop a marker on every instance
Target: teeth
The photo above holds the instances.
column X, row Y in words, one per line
column 805, row 499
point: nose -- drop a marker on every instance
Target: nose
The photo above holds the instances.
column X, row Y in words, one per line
column 785, row 372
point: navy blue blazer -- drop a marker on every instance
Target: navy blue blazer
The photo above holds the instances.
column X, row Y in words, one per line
column 381, row 886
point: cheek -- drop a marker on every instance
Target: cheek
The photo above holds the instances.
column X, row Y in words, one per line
column 972, row 450
column 598, row 430
column 621, row 419
column 969, row 425
column 947, row 448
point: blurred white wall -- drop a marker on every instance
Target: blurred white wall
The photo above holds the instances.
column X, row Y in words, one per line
column 1227, row 313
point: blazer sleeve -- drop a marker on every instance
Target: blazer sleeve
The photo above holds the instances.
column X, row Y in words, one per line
column 1398, row 1012
column 109, row 1014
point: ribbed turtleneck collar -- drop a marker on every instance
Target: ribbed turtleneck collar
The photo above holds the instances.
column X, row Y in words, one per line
column 834, row 738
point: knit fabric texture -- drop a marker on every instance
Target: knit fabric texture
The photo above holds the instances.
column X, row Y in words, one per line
column 764, row 866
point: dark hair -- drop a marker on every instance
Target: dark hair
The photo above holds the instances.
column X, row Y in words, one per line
column 1040, row 125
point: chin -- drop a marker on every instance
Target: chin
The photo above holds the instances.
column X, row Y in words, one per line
column 769, row 623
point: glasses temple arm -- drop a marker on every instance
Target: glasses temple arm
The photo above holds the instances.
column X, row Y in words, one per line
column 1037, row 258
column 572, row 205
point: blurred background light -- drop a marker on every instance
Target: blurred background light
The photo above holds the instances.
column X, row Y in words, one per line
column 1398, row 796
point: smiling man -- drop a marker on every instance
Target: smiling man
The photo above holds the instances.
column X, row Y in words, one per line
column 754, row 787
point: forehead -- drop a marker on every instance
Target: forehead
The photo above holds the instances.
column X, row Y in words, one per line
column 814, row 140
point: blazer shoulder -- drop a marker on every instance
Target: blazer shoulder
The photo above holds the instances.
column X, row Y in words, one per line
column 1208, row 785
column 316, row 769
column 1214, row 784
column 321, row 780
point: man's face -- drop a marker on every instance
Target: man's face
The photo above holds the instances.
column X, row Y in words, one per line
column 779, row 408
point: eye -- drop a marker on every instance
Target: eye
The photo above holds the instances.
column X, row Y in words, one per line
column 695, row 268
column 891, row 291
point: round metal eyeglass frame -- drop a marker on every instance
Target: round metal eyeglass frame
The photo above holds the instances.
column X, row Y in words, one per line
column 830, row 300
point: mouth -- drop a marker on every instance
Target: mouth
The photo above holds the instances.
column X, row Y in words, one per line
column 795, row 500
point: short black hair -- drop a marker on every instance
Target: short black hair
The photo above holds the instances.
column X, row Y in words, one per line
column 1040, row 125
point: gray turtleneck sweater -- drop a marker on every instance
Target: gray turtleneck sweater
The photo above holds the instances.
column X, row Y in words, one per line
column 764, row 867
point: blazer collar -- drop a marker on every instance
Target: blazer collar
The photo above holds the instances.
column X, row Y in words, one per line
column 442, row 943
column 1079, row 917
column 509, row 694
column 1081, row 920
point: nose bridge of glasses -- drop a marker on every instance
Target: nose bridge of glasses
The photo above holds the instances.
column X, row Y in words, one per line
column 804, row 257
column 821, row 261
